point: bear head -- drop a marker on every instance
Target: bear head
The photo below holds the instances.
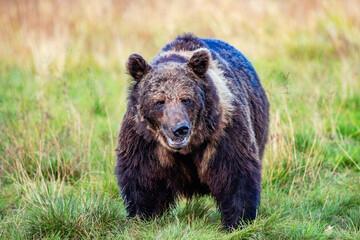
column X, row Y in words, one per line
column 169, row 96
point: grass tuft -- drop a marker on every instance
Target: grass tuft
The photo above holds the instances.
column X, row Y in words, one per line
column 75, row 218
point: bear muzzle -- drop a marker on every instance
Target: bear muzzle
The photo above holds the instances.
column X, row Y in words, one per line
column 176, row 127
column 177, row 136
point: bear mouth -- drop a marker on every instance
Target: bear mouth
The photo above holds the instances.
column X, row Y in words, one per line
column 177, row 144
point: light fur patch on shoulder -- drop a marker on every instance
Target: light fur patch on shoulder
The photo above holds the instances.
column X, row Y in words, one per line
column 226, row 97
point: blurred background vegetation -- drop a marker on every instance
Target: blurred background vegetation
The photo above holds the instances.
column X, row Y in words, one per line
column 63, row 92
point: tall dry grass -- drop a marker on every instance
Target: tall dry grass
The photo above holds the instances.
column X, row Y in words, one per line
column 47, row 34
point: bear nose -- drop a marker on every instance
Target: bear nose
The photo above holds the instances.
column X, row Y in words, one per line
column 180, row 129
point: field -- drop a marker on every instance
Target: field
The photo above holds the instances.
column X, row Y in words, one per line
column 63, row 92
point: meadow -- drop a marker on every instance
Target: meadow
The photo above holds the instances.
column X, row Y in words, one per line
column 63, row 92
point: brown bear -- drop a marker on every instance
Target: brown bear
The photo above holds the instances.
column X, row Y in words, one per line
column 196, row 123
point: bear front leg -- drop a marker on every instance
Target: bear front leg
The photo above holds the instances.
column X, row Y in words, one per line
column 143, row 195
column 145, row 201
column 237, row 194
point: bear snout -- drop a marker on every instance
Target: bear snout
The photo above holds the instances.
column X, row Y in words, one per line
column 176, row 127
column 176, row 135
column 181, row 130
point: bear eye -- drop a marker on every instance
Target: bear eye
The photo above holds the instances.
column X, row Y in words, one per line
column 159, row 103
column 186, row 101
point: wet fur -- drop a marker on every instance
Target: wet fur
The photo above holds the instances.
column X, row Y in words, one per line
column 224, row 155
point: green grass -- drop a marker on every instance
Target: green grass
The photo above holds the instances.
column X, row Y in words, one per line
column 58, row 125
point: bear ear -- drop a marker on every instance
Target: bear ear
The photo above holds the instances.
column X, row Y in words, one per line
column 137, row 67
column 199, row 62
